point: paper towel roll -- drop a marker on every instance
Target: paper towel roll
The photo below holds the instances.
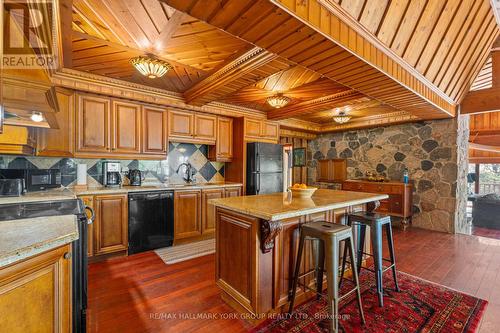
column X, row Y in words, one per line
column 81, row 174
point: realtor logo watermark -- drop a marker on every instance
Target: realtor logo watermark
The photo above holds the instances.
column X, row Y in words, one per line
column 29, row 34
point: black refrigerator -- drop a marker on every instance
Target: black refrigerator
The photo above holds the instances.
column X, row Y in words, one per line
column 264, row 168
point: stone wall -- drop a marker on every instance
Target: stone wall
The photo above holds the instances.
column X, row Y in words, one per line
column 430, row 151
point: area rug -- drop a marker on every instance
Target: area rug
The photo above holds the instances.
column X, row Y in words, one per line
column 173, row 254
column 421, row 306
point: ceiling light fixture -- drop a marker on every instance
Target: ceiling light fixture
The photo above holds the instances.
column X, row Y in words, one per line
column 278, row 101
column 37, row 117
column 150, row 67
column 341, row 117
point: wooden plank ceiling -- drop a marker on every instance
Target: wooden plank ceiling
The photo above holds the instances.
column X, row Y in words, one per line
column 401, row 60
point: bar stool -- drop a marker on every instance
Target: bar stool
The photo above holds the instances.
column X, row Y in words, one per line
column 375, row 221
column 329, row 235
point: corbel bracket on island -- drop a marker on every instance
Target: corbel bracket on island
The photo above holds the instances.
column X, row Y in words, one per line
column 268, row 232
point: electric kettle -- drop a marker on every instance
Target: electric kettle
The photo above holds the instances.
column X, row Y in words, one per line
column 135, row 177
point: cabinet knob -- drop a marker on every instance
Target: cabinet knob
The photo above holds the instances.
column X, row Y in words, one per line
column 67, row 255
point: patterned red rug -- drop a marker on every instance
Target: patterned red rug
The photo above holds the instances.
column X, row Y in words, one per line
column 421, row 306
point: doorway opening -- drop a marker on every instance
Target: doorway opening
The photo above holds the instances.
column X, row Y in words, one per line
column 483, row 205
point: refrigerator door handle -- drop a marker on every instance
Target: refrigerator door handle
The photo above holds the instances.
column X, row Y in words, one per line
column 257, row 162
column 257, row 183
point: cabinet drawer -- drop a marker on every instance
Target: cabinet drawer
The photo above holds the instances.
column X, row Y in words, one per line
column 396, row 204
column 385, row 206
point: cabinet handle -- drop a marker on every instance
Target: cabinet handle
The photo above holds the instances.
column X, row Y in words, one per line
column 67, row 255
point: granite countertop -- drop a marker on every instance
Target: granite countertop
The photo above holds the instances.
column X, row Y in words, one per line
column 21, row 239
column 279, row 206
column 71, row 193
column 153, row 187
column 48, row 195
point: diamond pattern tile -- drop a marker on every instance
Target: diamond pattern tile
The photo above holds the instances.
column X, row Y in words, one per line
column 208, row 171
column 154, row 171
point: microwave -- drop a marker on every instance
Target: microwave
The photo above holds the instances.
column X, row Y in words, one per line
column 34, row 179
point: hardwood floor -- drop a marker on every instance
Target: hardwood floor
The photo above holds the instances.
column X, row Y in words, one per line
column 140, row 293
column 486, row 232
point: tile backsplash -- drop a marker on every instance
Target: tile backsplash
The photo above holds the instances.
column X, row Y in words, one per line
column 153, row 171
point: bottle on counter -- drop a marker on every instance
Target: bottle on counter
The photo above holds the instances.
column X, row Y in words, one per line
column 406, row 177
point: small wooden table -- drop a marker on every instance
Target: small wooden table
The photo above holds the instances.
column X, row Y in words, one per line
column 256, row 239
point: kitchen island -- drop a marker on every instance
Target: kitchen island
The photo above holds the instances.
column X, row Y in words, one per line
column 256, row 244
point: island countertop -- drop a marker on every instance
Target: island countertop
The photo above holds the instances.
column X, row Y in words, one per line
column 279, row 206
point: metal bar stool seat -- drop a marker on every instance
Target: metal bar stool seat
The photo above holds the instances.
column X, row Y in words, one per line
column 329, row 237
column 376, row 222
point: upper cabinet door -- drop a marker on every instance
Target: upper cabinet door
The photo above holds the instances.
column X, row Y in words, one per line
column 93, row 123
column 270, row 130
column 224, row 145
column 126, row 127
column 180, row 125
column 154, row 127
column 253, row 128
column 205, row 128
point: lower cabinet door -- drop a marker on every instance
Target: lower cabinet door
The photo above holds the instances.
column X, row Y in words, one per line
column 208, row 211
column 187, row 214
column 111, row 223
column 233, row 191
column 35, row 294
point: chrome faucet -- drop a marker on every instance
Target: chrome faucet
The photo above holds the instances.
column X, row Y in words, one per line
column 188, row 174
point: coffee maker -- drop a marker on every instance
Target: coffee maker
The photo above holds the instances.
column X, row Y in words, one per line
column 111, row 176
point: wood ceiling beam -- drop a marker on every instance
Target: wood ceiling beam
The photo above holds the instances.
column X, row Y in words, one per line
column 481, row 101
column 314, row 105
column 392, row 118
column 485, row 100
column 64, row 22
column 237, row 67
column 169, row 30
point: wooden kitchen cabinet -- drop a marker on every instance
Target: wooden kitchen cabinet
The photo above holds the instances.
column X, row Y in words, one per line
column 187, row 214
column 111, row 223
column 59, row 142
column 118, row 129
column 187, row 126
column 205, row 128
column 253, row 128
column 35, row 294
column 126, row 128
column 332, row 170
column 93, row 124
column 260, row 130
column 180, row 125
column 208, row 211
column 270, row 130
column 232, row 191
column 154, row 128
column 88, row 200
column 223, row 149
column 400, row 194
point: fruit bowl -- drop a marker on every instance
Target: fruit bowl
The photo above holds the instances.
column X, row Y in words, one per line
column 301, row 192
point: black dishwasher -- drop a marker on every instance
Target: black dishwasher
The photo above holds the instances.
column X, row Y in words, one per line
column 150, row 220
